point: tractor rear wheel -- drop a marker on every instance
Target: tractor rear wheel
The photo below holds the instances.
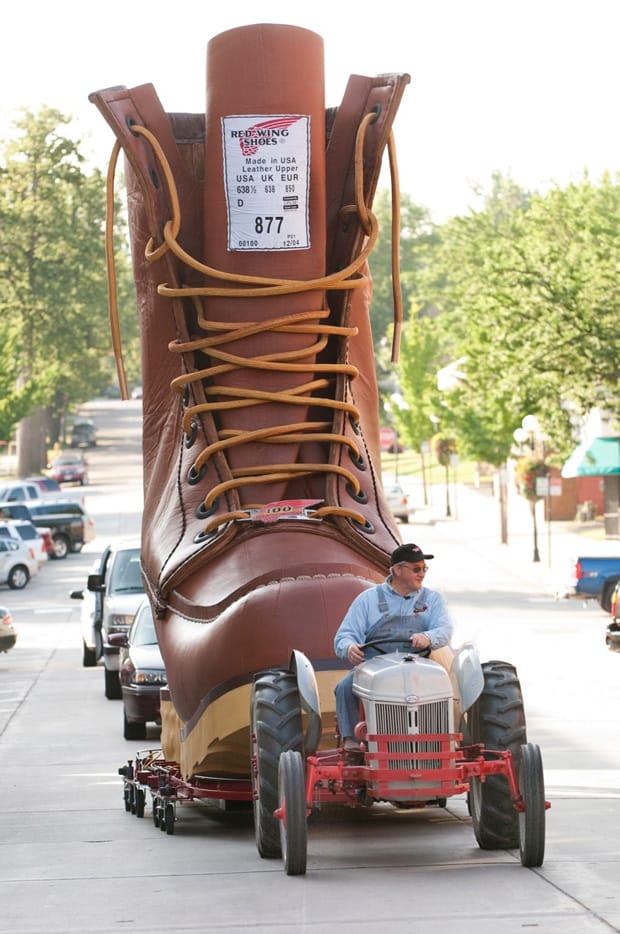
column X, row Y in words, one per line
column 497, row 720
column 275, row 726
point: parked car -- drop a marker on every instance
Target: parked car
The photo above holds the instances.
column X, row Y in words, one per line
column 91, row 615
column 71, row 527
column 22, row 530
column 18, row 563
column 118, row 590
column 136, row 392
column 69, row 467
column 19, row 491
column 594, row 577
column 8, row 635
column 398, row 501
column 141, row 671
column 83, row 434
column 45, row 484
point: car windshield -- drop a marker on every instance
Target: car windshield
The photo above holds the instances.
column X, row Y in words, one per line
column 125, row 575
column 144, row 632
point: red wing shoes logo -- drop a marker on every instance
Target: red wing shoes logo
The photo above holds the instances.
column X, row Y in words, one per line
column 262, row 134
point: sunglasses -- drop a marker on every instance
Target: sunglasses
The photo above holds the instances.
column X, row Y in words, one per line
column 418, row 569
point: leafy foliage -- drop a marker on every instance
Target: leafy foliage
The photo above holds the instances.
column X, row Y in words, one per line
column 53, row 287
column 528, row 293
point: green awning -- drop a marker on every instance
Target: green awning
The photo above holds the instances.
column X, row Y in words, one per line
column 599, row 457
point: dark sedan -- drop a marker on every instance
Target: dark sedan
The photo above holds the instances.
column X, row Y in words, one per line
column 142, row 673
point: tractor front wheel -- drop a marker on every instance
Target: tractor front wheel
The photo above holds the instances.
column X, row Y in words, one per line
column 275, row 726
column 532, row 819
column 293, row 821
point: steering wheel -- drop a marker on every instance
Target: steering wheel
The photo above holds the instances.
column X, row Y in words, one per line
column 390, row 639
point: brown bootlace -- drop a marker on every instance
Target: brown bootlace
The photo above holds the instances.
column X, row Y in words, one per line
column 217, row 333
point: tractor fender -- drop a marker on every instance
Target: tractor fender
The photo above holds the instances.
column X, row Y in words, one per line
column 466, row 676
column 308, row 690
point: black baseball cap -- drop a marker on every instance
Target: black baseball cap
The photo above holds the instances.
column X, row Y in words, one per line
column 409, row 552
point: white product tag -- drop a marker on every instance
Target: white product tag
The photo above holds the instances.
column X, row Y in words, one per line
column 267, row 176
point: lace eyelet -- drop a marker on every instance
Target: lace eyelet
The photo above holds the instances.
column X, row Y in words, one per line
column 203, row 513
column 358, row 461
column 367, row 527
column 191, row 437
column 355, row 425
column 203, row 536
column 195, row 476
column 358, row 497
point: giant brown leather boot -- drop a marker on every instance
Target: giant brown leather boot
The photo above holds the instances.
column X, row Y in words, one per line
column 263, row 507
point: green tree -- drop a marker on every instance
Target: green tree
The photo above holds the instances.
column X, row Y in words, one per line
column 416, row 233
column 53, row 289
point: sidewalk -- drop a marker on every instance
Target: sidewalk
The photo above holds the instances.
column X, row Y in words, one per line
column 475, row 516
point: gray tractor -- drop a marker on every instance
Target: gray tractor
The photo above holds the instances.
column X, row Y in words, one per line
column 426, row 733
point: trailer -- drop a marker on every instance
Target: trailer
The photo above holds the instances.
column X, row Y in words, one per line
column 151, row 776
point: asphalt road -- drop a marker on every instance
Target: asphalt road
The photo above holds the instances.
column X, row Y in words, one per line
column 72, row 860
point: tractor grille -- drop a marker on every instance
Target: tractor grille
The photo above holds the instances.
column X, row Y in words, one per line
column 425, row 718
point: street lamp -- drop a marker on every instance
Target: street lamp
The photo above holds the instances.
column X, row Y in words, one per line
column 445, row 458
column 530, row 433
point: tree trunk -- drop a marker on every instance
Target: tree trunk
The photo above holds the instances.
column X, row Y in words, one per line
column 31, row 444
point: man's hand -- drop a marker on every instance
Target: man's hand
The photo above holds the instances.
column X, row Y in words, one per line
column 355, row 654
column 420, row 640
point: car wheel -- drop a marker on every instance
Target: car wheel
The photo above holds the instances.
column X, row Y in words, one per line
column 133, row 731
column 61, row 546
column 89, row 656
column 112, row 685
column 18, row 577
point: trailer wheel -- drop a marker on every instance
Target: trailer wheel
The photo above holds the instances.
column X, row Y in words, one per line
column 168, row 821
column 532, row 819
column 497, row 720
column 293, row 822
column 127, row 796
column 275, row 726
column 156, row 811
column 140, row 800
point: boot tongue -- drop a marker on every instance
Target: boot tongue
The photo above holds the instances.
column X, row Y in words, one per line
column 265, row 215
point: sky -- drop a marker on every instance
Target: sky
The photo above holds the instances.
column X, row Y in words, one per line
column 527, row 88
